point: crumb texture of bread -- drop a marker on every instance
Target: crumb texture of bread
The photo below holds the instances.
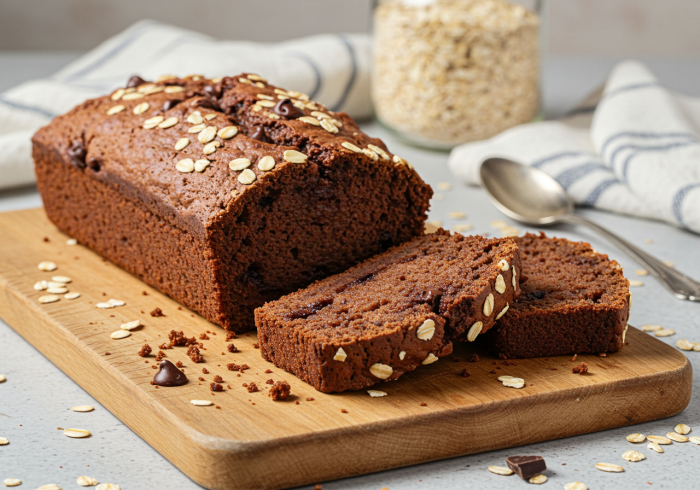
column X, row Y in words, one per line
column 224, row 194
column 392, row 313
column 574, row 300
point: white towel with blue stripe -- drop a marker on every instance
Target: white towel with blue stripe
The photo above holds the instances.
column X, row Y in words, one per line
column 640, row 156
column 331, row 69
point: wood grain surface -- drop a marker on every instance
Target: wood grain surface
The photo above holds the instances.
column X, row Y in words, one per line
column 254, row 442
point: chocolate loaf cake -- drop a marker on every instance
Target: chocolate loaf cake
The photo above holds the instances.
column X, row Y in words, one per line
column 392, row 313
column 573, row 301
column 224, row 194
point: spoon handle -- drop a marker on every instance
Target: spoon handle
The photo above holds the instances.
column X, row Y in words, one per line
column 680, row 285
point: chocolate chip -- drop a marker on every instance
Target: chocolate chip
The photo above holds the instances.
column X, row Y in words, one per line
column 135, row 81
column 213, row 91
column 526, row 466
column 259, row 134
column 208, row 103
column 170, row 103
column 169, row 375
column 95, row 163
column 286, row 109
column 77, row 154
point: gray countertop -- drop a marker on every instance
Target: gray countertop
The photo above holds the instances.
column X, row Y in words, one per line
column 37, row 396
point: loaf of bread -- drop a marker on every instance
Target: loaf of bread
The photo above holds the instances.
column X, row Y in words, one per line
column 225, row 193
column 393, row 313
column 573, row 301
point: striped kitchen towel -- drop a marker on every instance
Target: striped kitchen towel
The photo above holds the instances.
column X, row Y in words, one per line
column 331, row 69
column 640, row 155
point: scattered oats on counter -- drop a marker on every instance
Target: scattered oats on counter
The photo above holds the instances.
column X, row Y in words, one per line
column 462, row 228
column 86, row 481
column 444, row 186
column 2, row 378
column 655, row 447
column 635, row 283
column 659, row 439
column 456, row 215
column 83, row 408
column 500, row 470
column 4, row 441
column 77, row 433
column 633, row 456
column 435, row 223
column 109, row 486
column 575, row 485
column 538, row 479
column 676, row 437
column 682, row 429
column 664, row 332
column 636, row 438
column 12, row 482
column 609, row 467
column 684, row 344
column 651, row 328
column 50, row 486
column 642, row 272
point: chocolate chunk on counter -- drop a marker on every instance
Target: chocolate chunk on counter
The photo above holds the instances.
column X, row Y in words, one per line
column 169, row 375
column 526, row 466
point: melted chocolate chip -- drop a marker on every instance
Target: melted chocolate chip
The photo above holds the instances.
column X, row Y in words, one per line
column 259, row 134
column 169, row 375
column 213, row 91
column 208, row 103
column 95, row 163
column 286, row 109
column 170, row 103
column 432, row 297
column 77, row 154
column 135, row 81
column 308, row 310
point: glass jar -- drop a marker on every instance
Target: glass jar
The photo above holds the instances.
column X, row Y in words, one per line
column 448, row 72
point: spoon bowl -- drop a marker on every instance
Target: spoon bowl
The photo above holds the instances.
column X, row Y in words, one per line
column 524, row 193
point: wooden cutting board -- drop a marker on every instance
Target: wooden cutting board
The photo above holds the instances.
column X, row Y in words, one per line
column 254, row 442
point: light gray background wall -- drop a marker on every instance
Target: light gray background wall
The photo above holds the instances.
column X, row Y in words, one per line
column 577, row 27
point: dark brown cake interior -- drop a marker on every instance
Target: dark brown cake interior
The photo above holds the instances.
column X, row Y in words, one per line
column 573, row 300
column 434, row 274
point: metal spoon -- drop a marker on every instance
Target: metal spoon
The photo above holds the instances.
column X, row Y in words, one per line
column 531, row 196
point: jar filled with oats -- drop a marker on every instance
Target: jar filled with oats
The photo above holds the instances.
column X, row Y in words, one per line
column 451, row 71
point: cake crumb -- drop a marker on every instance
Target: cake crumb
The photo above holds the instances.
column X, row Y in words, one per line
column 580, row 369
column 309, row 398
column 317, row 486
column 108, row 353
column 145, row 350
column 603, row 354
column 218, row 379
column 204, row 371
column 230, row 336
column 474, row 358
column 144, row 293
column 268, row 371
column 573, row 359
column 216, row 387
column 270, row 381
column 252, row 388
column 280, row 390
column 160, row 355
column 493, row 371
column 157, row 313
column 423, row 404
column 154, row 367
column 256, row 345
column 466, row 373
column 200, row 378
column 203, row 336
column 231, row 348
column 342, row 410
